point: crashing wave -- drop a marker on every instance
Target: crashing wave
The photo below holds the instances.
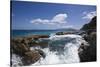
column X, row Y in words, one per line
column 62, row 49
column 69, row 53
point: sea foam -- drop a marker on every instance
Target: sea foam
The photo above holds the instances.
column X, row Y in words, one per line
column 68, row 54
column 70, row 50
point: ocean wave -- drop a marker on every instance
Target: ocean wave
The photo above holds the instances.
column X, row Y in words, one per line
column 67, row 54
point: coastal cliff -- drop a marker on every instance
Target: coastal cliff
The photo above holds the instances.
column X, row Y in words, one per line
column 89, row 54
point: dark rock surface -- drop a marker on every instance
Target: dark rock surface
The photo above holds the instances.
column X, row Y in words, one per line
column 64, row 33
column 30, row 57
column 90, row 25
column 21, row 47
column 89, row 54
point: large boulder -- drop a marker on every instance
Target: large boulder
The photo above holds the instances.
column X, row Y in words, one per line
column 30, row 57
column 19, row 48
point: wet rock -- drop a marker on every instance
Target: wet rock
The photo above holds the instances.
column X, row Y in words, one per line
column 59, row 33
column 18, row 47
column 89, row 54
column 21, row 47
column 31, row 57
column 31, row 41
column 35, row 43
column 41, row 52
column 64, row 33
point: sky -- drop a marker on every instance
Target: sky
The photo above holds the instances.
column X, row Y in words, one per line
column 39, row 15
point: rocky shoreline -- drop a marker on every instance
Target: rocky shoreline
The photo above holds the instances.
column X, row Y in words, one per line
column 21, row 45
column 89, row 54
column 90, row 35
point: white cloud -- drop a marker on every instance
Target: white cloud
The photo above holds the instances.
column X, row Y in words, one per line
column 58, row 19
column 89, row 15
column 41, row 21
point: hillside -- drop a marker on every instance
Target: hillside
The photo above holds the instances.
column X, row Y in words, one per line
column 90, row 25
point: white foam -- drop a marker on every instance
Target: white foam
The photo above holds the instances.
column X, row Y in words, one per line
column 16, row 60
column 70, row 54
column 62, row 36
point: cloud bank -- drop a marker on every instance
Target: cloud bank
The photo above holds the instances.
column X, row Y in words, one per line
column 57, row 19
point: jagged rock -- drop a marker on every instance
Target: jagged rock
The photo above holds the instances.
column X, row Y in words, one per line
column 89, row 54
column 30, row 57
column 21, row 47
column 90, row 25
column 18, row 47
column 41, row 52
column 30, row 41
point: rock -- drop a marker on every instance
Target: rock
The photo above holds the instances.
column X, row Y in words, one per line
column 30, row 41
column 59, row 33
column 41, row 52
column 38, row 36
column 63, row 33
column 89, row 54
column 30, row 57
column 90, row 25
column 19, row 48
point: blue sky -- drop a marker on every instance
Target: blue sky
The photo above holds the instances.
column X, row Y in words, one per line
column 38, row 15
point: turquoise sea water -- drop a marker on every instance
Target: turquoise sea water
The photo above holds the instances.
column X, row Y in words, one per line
column 15, row 33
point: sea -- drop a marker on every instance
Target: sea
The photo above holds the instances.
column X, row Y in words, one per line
column 62, row 49
column 32, row 32
column 16, row 33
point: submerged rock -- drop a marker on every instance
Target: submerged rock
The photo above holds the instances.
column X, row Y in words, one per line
column 64, row 33
column 59, row 33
